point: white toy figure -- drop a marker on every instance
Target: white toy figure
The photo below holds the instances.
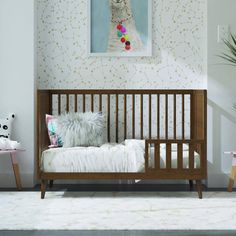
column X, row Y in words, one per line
column 123, row 36
column 5, row 126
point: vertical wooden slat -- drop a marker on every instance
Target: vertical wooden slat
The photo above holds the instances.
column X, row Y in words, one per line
column 183, row 117
column 192, row 123
column 150, row 116
column 141, row 115
column 157, row 156
column 168, row 155
column 67, row 102
column 158, row 116
column 146, row 156
column 191, row 156
column 84, row 103
column 100, row 102
column 50, row 103
column 175, row 116
column 59, row 104
column 133, row 115
column 108, row 117
column 76, row 102
column 92, row 102
column 117, row 118
column 180, row 156
column 166, row 116
column 125, row 116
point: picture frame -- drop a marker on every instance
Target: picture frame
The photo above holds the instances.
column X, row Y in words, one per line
column 133, row 37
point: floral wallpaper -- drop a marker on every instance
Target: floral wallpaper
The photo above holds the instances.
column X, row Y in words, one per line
column 179, row 49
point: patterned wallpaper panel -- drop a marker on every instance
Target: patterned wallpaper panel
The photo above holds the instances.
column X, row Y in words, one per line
column 179, row 49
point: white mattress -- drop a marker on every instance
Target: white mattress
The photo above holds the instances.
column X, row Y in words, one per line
column 126, row 157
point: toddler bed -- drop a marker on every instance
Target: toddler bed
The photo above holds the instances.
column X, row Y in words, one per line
column 150, row 134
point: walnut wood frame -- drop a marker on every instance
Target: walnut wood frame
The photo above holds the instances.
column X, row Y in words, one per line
column 197, row 141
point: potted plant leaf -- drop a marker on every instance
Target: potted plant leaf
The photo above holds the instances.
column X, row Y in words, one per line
column 231, row 55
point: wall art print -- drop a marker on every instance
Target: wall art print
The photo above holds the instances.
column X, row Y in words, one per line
column 120, row 28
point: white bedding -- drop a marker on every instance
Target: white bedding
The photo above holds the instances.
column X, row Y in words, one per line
column 125, row 157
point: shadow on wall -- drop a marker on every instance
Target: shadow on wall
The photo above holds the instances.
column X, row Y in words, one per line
column 221, row 125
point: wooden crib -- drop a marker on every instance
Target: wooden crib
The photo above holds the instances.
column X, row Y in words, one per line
column 159, row 116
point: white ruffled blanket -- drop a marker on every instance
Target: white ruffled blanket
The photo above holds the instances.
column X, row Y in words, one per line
column 126, row 157
column 7, row 144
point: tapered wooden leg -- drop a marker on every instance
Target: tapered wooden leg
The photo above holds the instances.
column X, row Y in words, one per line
column 51, row 183
column 232, row 179
column 191, row 185
column 199, row 188
column 43, row 188
column 16, row 170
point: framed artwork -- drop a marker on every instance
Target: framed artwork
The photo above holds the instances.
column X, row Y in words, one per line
column 120, row 28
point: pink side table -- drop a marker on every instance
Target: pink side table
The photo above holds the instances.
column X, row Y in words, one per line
column 15, row 165
column 233, row 171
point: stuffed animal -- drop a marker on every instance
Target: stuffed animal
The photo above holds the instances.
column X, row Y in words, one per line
column 5, row 126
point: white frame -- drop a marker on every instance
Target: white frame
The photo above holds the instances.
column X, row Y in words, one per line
column 148, row 53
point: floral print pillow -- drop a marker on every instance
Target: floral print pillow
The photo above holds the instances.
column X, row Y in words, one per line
column 55, row 140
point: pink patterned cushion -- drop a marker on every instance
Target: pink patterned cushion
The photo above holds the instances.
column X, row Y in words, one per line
column 51, row 123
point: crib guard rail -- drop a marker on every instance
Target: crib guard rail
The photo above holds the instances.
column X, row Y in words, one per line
column 175, row 155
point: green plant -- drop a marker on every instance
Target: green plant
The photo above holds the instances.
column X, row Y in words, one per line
column 231, row 45
column 231, row 56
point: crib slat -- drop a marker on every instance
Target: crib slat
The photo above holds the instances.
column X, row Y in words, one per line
column 166, row 115
column 168, row 155
column 84, row 103
column 191, row 156
column 59, row 104
column 141, row 115
column 192, row 124
column 150, row 116
column 108, row 117
column 67, row 102
column 92, row 102
column 117, row 118
column 100, row 102
column 183, row 116
column 133, row 115
column 147, row 145
column 158, row 116
column 180, row 156
column 125, row 116
column 76, row 102
column 174, row 116
column 157, row 156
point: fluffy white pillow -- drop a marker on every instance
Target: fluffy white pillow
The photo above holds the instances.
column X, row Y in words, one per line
column 5, row 126
column 81, row 129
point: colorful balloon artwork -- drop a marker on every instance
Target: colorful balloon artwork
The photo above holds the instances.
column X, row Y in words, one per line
column 124, row 37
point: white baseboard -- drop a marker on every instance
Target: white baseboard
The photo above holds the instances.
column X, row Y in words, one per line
column 7, row 180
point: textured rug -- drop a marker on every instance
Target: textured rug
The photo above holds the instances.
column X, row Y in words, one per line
column 117, row 211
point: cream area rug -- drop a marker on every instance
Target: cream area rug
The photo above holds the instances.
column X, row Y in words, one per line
column 117, row 211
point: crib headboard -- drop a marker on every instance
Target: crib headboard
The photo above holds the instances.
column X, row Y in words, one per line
column 140, row 114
